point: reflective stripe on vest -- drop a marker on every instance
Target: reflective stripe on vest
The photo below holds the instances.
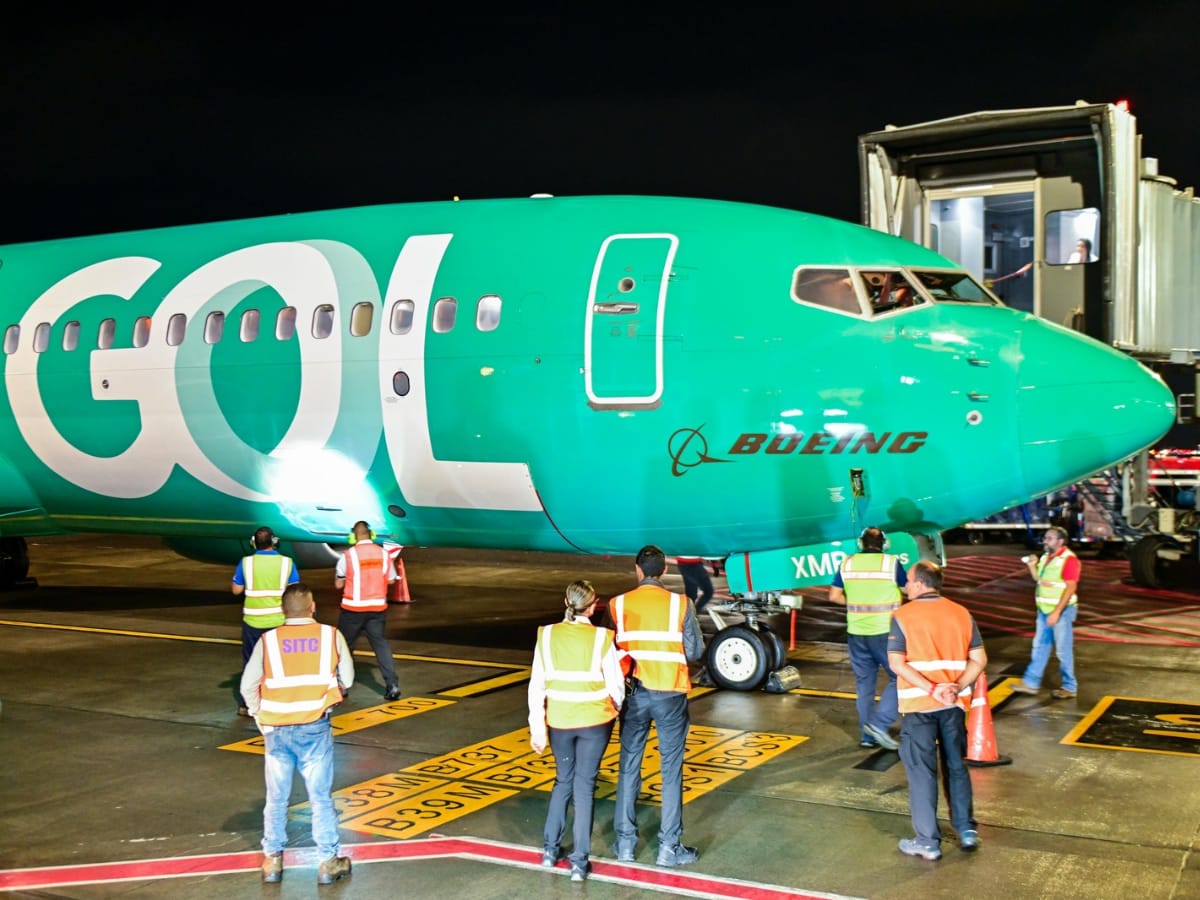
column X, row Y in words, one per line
column 366, row 578
column 264, row 576
column 576, row 694
column 299, row 674
column 869, row 582
column 937, row 637
column 1051, row 583
column 649, row 622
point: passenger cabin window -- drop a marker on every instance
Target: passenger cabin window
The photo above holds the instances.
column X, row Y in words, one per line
column 249, row 329
column 360, row 319
column 402, row 317
column 176, row 329
column 71, row 336
column 41, row 337
column 954, row 287
column 888, row 291
column 285, row 323
column 12, row 337
column 214, row 327
column 444, row 312
column 1072, row 236
column 829, row 288
column 487, row 313
column 322, row 323
column 106, row 333
column 141, row 331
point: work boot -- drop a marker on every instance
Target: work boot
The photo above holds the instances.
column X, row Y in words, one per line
column 332, row 869
column 272, row 868
column 393, row 693
column 679, row 855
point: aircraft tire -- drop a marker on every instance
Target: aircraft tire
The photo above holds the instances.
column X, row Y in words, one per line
column 738, row 658
column 776, row 648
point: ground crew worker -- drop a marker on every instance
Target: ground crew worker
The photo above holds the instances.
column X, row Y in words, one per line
column 575, row 690
column 363, row 575
column 261, row 578
column 697, row 583
column 937, row 654
column 1057, row 573
column 297, row 673
column 658, row 634
column 869, row 584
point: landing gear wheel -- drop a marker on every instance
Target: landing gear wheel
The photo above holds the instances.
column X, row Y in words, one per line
column 14, row 561
column 1147, row 568
column 776, row 648
column 738, row 658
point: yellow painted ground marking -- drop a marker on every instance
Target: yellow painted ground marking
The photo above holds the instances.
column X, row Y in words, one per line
column 490, row 684
column 747, row 750
column 359, row 719
column 358, row 799
column 529, row 771
column 431, row 809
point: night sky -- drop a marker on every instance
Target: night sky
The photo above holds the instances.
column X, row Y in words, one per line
column 114, row 121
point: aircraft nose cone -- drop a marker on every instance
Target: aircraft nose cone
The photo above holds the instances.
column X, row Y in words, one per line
column 1082, row 406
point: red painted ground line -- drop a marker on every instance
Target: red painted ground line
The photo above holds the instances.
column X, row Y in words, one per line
column 673, row 881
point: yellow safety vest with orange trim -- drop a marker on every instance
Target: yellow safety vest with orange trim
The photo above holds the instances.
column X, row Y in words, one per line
column 1051, row 583
column 265, row 577
column 649, row 622
column 937, row 639
column 366, row 578
column 576, row 694
column 299, row 674
column 869, row 582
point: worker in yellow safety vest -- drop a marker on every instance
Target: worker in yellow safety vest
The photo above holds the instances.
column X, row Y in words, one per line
column 869, row 583
column 260, row 580
column 575, row 690
column 297, row 673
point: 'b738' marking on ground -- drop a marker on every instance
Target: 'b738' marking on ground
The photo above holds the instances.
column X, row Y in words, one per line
column 424, row 796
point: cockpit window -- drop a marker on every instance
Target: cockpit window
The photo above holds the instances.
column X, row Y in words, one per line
column 830, row 288
column 889, row 290
column 954, row 287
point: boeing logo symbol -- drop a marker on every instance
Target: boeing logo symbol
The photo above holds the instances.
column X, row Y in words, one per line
column 688, row 448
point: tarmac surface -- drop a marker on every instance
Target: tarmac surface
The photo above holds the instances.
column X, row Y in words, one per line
column 127, row 773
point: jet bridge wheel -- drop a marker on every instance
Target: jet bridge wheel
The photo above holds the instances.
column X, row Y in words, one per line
column 738, row 658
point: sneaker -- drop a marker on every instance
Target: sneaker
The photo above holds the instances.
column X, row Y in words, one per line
column 625, row 851
column 868, row 743
column 330, row 870
column 550, row 858
column 272, row 868
column 243, row 712
column 1062, row 694
column 911, row 847
column 969, row 840
column 393, row 693
column 678, row 855
column 579, row 871
column 1021, row 687
column 885, row 740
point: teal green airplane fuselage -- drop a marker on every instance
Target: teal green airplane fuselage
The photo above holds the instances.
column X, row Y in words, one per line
column 573, row 374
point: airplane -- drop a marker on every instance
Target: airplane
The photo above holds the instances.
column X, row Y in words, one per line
column 585, row 374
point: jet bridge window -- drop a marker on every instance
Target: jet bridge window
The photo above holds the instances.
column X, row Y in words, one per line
column 1072, row 236
column 889, row 290
column 829, row 288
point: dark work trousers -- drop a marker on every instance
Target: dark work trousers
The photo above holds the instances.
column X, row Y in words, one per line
column 697, row 583
column 923, row 738
column 668, row 710
column 352, row 624
column 577, row 753
column 868, row 654
column 250, row 636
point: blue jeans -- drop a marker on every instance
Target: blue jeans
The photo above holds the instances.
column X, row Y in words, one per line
column 308, row 747
column 1062, row 638
column 868, row 654
column 924, row 737
column 668, row 710
column 577, row 753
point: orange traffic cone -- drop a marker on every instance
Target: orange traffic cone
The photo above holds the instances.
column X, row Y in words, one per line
column 400, row 585
column 981, row 739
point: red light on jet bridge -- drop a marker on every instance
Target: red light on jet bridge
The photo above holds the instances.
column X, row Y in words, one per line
column 1122, row 105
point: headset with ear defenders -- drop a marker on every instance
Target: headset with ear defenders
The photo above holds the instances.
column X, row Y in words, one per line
column 254, row 539
column 352, row 540
column 886, row 542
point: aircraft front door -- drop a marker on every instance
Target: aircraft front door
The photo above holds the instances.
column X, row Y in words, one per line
column 623, row 335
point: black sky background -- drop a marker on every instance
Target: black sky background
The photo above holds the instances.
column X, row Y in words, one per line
column 114, row 121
